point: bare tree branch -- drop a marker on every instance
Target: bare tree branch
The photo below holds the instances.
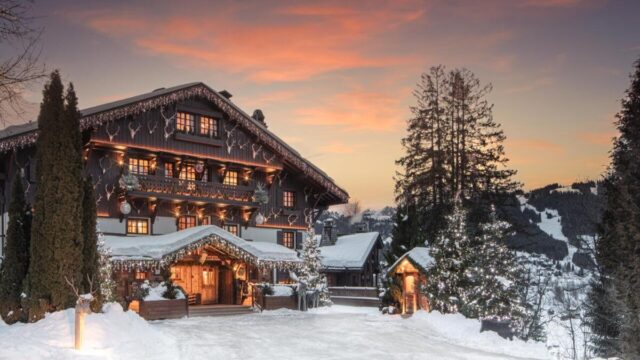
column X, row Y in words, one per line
column 18, row 36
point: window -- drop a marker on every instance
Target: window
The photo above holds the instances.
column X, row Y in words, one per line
column 208, row 126
column 186, row 123
column 138, row 166
column 288, row 239
column 138, row 226
column 288, row 199
column 232, row 229
column 140, row 275
column 188, row 173
column 231, row 178
column 186, row 221
column 205, row 220
column 168, row 170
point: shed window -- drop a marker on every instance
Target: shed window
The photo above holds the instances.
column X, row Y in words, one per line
column 186, row 123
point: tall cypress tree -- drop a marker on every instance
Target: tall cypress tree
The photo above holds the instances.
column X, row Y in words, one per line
column 56, row 236
column 16, row 262
column 91, row 267
column 618, row 249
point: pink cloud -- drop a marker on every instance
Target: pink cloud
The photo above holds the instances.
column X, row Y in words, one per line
column 291, row 44
column 356, row 110
column 597, row 138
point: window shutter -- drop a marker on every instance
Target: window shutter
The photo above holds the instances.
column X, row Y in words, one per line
column 298, row 240
column 279, row 235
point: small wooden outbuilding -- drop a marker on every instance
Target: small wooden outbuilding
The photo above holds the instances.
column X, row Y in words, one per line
column 411, row 269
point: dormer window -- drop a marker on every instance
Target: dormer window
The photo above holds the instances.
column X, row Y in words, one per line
column 208, row 126
column 231, row 178
column 288, row 199
column 186, row 123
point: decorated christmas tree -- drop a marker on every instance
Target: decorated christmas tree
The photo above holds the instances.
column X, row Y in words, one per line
column 448, row 286
column 105, row 271
column 312, row 264
column 495, row 276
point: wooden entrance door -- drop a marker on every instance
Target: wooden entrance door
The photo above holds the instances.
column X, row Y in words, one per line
column 209, row 285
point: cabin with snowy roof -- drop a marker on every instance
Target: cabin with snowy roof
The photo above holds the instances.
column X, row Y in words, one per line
column 411, row 269
column 186, row 180
column 350, row 260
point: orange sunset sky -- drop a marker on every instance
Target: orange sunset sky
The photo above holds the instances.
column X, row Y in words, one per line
column 334, row 78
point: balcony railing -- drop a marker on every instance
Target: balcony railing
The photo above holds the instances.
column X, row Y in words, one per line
column 166, row 187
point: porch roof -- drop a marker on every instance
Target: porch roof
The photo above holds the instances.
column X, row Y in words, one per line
column 157, row 251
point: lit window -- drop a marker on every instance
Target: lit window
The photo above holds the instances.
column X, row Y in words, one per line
column 288, row 239
column 141, row 275
column 205, row 220
column 188, row 173
column 186, row 123
column 208, row 126
column 288, row 199
column 186, row 221
column 138, row 226
column 168, row 170
column 138, row 166
column 232, row 229
column 231, row 178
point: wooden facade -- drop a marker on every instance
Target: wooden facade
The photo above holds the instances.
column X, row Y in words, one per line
column 181, row 157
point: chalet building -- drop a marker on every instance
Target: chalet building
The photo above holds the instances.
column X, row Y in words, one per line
column 350, row 260
column 184, row 178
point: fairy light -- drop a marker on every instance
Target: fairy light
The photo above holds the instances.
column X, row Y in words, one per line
column 196, row 91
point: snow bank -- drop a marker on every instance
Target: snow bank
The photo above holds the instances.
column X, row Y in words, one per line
column 281, row 290
column 112, row 334
column 460, row 330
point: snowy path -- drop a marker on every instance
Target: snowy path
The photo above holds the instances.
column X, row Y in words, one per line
column 338, row 333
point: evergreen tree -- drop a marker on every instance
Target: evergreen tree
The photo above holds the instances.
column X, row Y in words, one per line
column 56, row 236
column 602, row 318
column 448, row 286
column 90, row 256
column 312, row 265
column 618, row 249
column 107, row 284
column 16, row 261
column 495, row 276
column 405, row 234
column 453, row 146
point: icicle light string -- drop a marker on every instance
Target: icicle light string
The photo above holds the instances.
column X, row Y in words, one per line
column 201, row 91
column 218, row 243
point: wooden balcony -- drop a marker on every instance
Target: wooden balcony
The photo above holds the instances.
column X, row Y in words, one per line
column 190, row 190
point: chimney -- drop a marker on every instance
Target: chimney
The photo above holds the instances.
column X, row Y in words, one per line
column 329, row 233
column 226, row 94
column 362, row 227
column 259, row 117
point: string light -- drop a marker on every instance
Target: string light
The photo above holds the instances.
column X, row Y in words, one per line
column 196, row 91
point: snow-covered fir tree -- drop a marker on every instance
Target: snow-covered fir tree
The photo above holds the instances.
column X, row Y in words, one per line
column 495, row 275
column 107, row 285
column 312, row 264
column 448, row 286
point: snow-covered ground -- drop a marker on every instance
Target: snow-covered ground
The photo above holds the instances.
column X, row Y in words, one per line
column 338, row 332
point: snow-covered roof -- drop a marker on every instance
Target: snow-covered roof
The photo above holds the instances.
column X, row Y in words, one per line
column 349, row 251
column 160, row 248
column 419, row 256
